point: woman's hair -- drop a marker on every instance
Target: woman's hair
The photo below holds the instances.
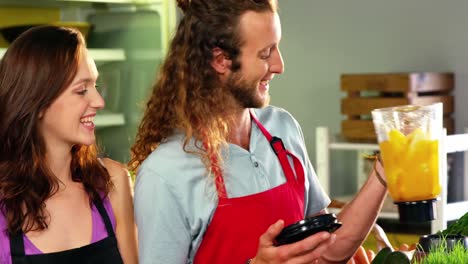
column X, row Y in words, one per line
column 37, row 67
column 188, row 95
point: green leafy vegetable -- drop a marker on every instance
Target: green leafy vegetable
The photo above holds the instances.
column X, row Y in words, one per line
column 381, row 255
column 397, row 257
column 460, row 227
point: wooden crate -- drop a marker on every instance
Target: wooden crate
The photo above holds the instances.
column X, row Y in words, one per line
column 394, row 82
column 366, row 92
column 363, row 130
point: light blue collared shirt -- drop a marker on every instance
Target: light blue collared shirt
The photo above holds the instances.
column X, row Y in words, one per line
column 175, row 199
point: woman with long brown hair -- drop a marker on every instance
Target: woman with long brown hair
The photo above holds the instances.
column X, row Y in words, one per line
column 59, row 203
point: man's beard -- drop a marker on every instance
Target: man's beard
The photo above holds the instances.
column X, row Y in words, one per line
column 245, row 92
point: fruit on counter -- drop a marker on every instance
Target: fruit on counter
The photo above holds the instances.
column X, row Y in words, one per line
column 361, row 256
column 370, row 254
column 411, row 164
column 403, row 247
column 387, row 255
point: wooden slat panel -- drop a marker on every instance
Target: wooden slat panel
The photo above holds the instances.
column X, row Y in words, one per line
column 449, row 124
column 358, row 130
column 398, row 82
column 375, row 82
column 364, row 105
column 428, row 82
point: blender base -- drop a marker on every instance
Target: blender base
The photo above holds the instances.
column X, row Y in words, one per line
column 417, row 211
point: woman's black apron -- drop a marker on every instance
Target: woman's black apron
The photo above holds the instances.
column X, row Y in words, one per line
column 103, row 251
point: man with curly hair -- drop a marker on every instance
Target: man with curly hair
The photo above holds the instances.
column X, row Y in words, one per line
column 219, row 172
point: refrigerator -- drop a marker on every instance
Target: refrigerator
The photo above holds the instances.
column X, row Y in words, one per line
column 128, row 40
column 142, row 33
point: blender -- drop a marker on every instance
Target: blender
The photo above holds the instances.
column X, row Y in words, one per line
column 409, row 138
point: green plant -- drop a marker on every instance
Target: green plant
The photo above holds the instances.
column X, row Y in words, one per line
column 439, row 255
column 460, row 227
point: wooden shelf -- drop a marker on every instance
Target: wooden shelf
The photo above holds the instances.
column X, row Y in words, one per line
column 108, row 119
column 99, row 55
column 104, row 55
column 142, row 54
column 114, row 1
column 353, row 146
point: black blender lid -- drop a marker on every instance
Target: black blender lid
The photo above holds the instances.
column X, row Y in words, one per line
column 307, row 227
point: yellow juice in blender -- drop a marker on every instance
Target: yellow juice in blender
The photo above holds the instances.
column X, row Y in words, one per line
column 411, row 165
column 409, row 138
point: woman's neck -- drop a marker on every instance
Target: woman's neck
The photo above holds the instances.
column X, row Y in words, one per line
column 59, row 161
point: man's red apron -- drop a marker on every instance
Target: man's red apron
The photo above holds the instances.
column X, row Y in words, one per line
column 237, row 224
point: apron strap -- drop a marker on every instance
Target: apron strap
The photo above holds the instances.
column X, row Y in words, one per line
column 17, row 244
column 278, row 147
column 105, row 217
column 282, row 153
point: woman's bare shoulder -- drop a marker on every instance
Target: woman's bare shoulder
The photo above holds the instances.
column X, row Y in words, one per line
column 115, row 168
column 121, row 198
column 119, row 174
column 121, row 181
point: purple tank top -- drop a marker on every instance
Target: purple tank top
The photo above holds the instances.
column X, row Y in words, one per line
column 98, row 233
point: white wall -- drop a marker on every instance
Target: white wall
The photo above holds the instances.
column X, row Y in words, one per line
column 325, row 38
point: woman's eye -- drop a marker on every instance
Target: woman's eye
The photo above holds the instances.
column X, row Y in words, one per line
column 83, row 92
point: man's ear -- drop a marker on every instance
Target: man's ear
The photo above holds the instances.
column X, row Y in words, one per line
column 220, row 62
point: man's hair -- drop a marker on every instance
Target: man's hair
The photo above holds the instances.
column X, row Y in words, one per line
column 188, row 95
column 36, row 69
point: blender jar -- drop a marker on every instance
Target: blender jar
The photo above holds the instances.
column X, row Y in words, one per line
column 409, row 138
